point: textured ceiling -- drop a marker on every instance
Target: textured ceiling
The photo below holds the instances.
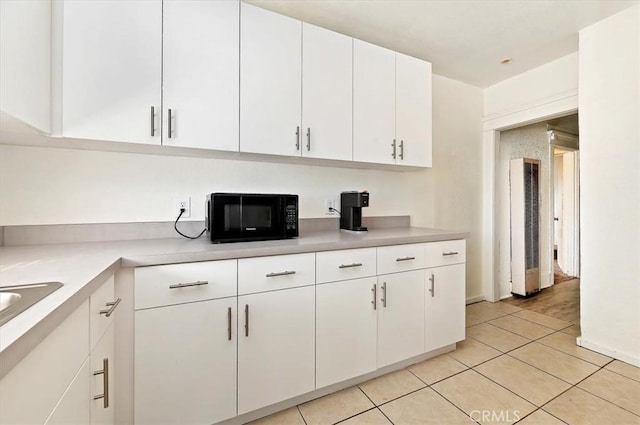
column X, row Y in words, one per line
column 465, row 40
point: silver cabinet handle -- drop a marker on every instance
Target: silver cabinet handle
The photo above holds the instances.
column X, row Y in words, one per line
column 432, row 279
column 284, row 273
column 444, row 254
column 393, row 152
column 375, row 296
column 405, row 258
column 108, row 312
column 246, row 320
column 402, row 149
column 153, row 121
column 229, row 323
column 169, row 131
column 384, row 295
column 308, row 139
column 105, row 380
column 187, row 285
column 298, row 138
column 348, row 266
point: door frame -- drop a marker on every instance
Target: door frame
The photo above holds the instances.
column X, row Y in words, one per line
column 554, row 107
column 569, row 143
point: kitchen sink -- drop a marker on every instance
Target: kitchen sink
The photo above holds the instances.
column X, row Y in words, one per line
column 16, row 299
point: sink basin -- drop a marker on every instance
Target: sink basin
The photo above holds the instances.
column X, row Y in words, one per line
column 16, row 299
column 7, row 299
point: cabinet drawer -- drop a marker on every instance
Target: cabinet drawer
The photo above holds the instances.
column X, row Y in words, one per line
column 281, row 271
column 399, row 258
column 103, row 300
column 347, row 264
column 446, row 252
column 181, row 283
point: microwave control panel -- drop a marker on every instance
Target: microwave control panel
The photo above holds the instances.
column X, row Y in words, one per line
column 291, row 217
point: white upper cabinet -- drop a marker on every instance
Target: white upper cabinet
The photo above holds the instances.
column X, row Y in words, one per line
column 111, row 70
column 326, row 93
column 413, row 111
column 373, row 103
column 25, row 61
column 200, row 74
column 270, row 82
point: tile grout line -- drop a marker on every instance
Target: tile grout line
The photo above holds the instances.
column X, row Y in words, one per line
column 301, row 415
column 600, row 397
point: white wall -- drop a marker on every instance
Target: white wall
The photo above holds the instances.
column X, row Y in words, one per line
column 553, row 79
column 60, row 186
column 457, row 172
column 610, row 185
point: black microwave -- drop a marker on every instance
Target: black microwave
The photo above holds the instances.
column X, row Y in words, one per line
column 241, row 217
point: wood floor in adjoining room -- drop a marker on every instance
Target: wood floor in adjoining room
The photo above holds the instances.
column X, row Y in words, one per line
column 518, row 364
column 561, row 301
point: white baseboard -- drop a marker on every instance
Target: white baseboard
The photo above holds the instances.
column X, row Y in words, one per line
column 608, row 351
column 476, row 299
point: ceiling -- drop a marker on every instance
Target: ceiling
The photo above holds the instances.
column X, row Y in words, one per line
column 464, row 40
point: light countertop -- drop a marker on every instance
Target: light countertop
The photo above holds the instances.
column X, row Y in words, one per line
column 83, row 267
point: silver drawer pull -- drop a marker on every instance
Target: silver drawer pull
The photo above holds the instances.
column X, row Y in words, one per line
column 113, row 306
column 186, row 285
column 348, row 266
column 450, row 253
column 284, row 273
column 105, row 379
column 405, row 258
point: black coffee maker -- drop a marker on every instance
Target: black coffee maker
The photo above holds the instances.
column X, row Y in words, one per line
column 351, row 204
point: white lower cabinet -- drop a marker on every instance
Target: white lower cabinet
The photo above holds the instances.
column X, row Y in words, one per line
column 400, row 316
column 102, row 379
column 74, row 406
column 185, row 363
column 345, row 319
column 276, row 346
column 444, row 306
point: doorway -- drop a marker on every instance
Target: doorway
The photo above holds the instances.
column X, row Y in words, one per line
column 554, row 143
column 565, row 198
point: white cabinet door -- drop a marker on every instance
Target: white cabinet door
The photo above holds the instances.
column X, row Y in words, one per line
column 413, row 111
column 444, row 306
column 73, row 407
column 373, row 103
column 345, row 320
column 185, row 363
column 200, row 73
column 31, row 390
column 400, row 316
column 270, row 82
column 275, row 346
column 103, row 380
column 327, row 92
column 25, row 61
column 112, row 70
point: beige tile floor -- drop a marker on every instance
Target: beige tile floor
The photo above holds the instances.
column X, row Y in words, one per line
column 516, row 366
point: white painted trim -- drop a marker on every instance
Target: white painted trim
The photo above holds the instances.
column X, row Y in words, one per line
column 608, row 351
column 551, row 107
column 490, row 139
column 529, row 107
column 472, row 300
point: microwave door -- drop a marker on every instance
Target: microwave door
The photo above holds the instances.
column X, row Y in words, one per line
column 227, row 220
column 260, row 217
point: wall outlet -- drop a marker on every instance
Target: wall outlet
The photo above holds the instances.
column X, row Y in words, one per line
column 184, row 202
column 329, row 205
